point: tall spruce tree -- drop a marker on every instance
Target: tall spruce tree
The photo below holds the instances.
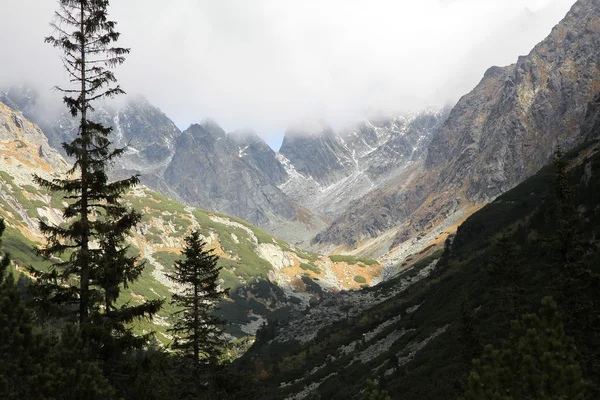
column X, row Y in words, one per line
column 91, row 242
column 198, row 332
column 469, row 341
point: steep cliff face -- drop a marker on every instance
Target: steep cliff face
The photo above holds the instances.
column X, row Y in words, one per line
column 329, row 170
column 235, row 174
column 318, row 152
column 258, row 155
column 537, row 104
column 591, row 125
column 496, row 136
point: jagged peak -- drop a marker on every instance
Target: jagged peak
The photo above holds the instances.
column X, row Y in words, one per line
column 208, row 127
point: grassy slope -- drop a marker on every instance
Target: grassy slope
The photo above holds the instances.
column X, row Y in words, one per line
column 522, row 212
column 165, row 224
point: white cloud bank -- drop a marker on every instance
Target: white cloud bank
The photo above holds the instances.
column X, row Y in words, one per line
column 265, row 64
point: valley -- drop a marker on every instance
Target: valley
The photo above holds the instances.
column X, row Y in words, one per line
column 395, row 256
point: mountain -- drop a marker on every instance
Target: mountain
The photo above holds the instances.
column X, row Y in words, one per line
column 328, row 170
column 149, row 134
column 268, row 277
column 495, row 137
column 239, row 173
column 147, row 131
column 405, row 333
column 236, row 173
column 293, row 194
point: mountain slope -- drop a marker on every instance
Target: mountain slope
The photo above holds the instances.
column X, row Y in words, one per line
column 496, row 136
column 405, row 332
column 234, row 174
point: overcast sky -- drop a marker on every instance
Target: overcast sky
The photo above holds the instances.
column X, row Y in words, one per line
column 266, row 64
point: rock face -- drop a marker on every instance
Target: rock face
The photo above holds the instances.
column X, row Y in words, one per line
column 496, row 136
column 591, row 125
column 236, row 174
column 317, row 152
column 329, row 170
column 24, row 149
column 532, row 106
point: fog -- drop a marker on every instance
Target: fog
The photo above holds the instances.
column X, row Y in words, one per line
column 267, row 64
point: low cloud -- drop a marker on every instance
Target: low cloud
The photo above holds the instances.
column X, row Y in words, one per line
column 270, row 63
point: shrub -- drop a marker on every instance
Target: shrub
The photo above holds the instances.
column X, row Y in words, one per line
column 367, row 260
column 311, row 266
column 341, row 258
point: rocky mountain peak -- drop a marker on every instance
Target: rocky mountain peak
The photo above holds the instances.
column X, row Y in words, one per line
column 211, row 127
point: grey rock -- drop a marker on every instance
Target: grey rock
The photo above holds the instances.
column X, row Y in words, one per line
column 235, row 174
column 329, row 170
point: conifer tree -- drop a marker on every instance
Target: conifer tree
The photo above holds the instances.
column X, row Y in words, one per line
column 538, row 362
column 565, row 239
column 469, row 342
column 90, row 244
column 198, row 332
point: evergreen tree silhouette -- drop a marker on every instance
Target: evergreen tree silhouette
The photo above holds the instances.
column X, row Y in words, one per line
column 198, row 332
column 88, row 249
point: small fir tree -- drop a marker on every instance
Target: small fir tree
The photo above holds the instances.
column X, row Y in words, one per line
column 198, row 332
column 469, row 342
column 468, row 334
column 373, row 392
